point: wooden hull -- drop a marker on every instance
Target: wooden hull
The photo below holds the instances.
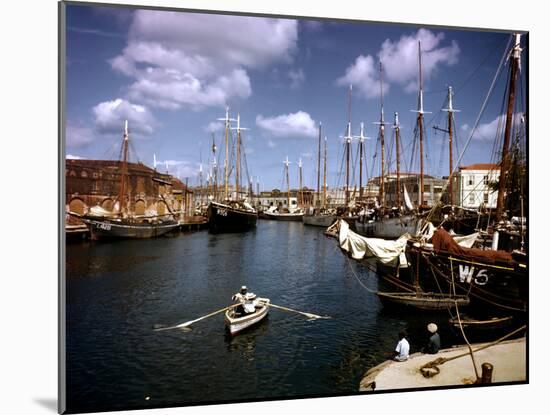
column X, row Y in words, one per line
column 494, row 323
column 422, row 301
column 127, row 229
column 223, row 218
column 389, row 228
column 500, row 286
column 297, row 217
column 238, row 324
column 319, row 220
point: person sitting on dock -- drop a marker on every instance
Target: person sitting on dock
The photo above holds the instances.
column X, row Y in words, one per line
column 401, row 352
column 434, row 342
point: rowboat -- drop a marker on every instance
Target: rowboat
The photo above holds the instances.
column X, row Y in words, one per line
column 423, row 301
column 236, row 320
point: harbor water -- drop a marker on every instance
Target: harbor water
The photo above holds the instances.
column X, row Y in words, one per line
column 118, row 291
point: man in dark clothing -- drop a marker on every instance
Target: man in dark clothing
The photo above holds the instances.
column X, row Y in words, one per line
column 434, row 343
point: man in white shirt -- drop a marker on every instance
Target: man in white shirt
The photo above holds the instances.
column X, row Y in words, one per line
column 247, row 300
column 402, row 348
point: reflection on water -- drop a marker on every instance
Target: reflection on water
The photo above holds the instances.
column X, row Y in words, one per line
column 117, row 291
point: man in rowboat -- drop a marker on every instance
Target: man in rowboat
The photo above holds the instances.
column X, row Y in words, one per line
column 247, row 300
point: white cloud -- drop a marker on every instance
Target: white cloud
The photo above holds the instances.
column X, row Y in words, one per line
column 179, row 168
column 400, row 63
column 364, row 75
column 271, row 143
column 465, row 127
column 298, row 124
column 400, row 59
column 297, row 78
column 488, row 131
column 200, row 60
column 73, row 157
column 214, row 126
column 78, row 136
column 110, row 117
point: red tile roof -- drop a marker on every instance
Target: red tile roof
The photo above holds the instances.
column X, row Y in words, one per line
column 480, row 166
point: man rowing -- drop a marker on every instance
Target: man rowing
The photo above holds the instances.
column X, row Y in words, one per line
column 247, row 301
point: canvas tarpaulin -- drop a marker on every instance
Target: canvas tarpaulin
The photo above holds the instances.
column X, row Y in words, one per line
column 359, row 247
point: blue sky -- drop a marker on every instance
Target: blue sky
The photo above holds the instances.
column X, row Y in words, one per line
column 171, row 74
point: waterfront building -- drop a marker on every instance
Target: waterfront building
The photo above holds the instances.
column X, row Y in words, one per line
column 97, row 183
column 474, row 185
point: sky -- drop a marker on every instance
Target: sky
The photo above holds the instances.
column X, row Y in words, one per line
column 172, row 75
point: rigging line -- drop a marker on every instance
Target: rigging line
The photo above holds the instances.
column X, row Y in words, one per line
column 460, row 322
column 483, row 107
column 357, row 278
column 492, row 50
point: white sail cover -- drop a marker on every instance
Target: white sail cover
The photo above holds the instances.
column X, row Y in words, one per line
column 101, row 212
column 408, row 202
column 387, row 252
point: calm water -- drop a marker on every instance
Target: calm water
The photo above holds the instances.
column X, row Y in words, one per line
column 117, row 291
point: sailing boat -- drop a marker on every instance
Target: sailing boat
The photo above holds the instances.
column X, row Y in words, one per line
column 123, row 223
column 384, row 224
column 231, row 215
column 494, row 279
column 320, row 215
column 287, row 213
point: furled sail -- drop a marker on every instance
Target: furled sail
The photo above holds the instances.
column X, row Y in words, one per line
column 387, row 252
column 408, row 202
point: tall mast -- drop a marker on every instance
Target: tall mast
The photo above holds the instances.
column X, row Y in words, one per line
column 200, row 184
column 398, row 157
column 317, row 203
column 227, row 121
column 361, row 138
column 514, row 67
column 258, row 189
column 348, row 139
column 287, row 182
column 301, row 191
column 214, row 168
column 450, row 110
column 325, row 175
column 382, row 123
column 122, row 194
column 420, row 123
column 238, row 161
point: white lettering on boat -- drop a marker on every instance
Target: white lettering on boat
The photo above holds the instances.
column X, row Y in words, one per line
column 466, row 273
column 105, row 226
column 222, row 212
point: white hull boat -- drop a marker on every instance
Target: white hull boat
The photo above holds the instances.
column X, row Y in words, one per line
column 237, row 322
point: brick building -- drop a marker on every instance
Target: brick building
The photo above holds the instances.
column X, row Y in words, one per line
column 97, row 183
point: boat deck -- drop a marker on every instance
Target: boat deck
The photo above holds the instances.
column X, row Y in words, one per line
column 508, row 359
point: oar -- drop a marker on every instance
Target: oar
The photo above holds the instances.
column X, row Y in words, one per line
column 308, row 315
column 188, row 323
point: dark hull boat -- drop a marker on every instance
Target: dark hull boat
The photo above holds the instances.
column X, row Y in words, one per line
column 225, row 218
column 127, row 228
column 495, row 279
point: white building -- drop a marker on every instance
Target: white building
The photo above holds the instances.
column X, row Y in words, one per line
column 472, row 185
